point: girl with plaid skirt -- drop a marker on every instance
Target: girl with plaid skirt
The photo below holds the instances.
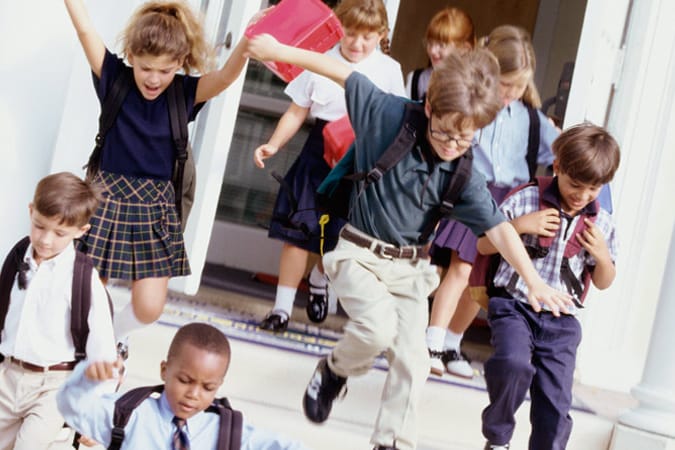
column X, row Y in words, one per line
column 136, row 233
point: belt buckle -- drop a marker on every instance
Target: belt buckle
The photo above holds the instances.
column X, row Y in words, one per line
column 380, row 252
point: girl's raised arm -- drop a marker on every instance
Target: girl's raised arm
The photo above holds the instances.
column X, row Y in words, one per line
column 92, row 44
column 265, row 47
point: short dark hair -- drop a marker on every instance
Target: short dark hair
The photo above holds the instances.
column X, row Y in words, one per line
column 587, row 153
column 66, row 196
column 466, row 86
column 203, row 336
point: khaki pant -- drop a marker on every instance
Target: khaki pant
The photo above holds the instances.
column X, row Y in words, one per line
column 29, row 418
column 386, row 300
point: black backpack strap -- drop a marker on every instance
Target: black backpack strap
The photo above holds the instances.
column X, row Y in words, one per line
column 231, row 424
column 124, row 406
column 10, row 268
column 80, row 303
column 415, row 85
column 414, row 122
column 533, row 141
column 452, row 193
column 179, row 131
column 109, row 109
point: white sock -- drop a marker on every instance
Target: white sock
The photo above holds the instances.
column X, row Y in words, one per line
column 284, row 299
column 452, row 341
column 317, row 278
column 435, row 337
column 125, row 322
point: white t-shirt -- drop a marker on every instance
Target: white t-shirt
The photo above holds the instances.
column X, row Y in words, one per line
column 326, row 99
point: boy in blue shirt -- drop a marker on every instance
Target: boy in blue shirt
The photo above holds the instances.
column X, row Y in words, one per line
column 194, row 369
column 535, row 350
column 379, row 268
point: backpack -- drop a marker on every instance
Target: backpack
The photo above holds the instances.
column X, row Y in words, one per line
column 481, row 279
column 231, row 421
column 415, row 85
column 334, row 194
column 80, row 300
column 184, row 176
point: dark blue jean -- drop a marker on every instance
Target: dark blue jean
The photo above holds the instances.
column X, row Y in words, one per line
column 535, row 352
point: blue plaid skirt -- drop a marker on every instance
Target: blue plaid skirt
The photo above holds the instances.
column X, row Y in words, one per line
column 136, row 233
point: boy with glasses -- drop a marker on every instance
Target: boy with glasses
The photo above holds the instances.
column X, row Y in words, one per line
column 379, row 267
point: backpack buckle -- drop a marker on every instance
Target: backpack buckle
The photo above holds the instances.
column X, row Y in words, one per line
column 374, row 175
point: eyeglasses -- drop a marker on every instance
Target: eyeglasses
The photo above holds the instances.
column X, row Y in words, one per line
column 442, row 136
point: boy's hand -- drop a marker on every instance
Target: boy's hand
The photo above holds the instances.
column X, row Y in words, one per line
column 594, row 242
column 103, row 370
column 540, row 223
column 542, row 294
column 263, row 152
column 263, row 47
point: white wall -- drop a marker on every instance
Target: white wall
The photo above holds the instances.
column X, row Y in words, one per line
column 37, row 48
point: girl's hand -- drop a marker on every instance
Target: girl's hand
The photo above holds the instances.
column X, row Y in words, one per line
column 263, row 47
column 541, row 223
column 263, row 152
column 259, row 15
column 594, row 242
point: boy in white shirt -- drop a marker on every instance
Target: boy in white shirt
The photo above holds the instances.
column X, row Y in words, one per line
column 39, row 348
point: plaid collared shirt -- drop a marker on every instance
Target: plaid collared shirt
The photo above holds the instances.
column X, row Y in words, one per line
column 526, row 201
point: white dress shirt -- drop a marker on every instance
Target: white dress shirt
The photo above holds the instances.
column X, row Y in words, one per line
column 37, row 326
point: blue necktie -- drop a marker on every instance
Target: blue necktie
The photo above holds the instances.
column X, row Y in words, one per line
column 180, row 439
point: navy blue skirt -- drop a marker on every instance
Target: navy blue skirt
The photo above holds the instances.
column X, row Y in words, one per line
column 136, row 233
column 452, row 235
column 295, row 219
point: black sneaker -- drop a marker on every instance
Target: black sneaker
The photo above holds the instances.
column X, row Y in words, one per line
column 275, row 321
column 384, row 447
column 323, row 388
column 123, row 349
column 317, row 304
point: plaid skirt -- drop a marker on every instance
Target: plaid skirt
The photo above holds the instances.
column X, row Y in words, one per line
column 136, row 233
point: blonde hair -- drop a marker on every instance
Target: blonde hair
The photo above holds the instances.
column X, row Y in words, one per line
column 512, row 46
column 363, row 15
column 66, row 197
column 451, row 25
column 168, row 28
column 466, row 86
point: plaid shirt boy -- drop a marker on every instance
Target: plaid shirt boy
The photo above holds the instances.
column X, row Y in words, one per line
column 526, row 201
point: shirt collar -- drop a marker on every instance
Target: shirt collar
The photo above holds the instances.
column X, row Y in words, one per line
column 67, row 254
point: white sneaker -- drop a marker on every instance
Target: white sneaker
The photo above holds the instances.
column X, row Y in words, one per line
column 456, row 363
column 435, row 357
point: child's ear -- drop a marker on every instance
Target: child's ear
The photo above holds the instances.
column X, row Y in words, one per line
column 83, row 229
column 427, row 109
column 162, row 371
column 556, row 165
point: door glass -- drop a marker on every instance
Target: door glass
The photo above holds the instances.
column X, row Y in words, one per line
column 248, row 193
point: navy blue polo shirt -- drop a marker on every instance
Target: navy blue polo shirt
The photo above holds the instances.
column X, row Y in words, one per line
column 396, row 208
column 140, row 142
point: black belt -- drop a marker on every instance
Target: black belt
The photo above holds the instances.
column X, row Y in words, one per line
column 382, row 248
column 70, row 365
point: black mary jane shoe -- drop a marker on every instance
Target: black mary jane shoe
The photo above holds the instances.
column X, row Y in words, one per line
column 275, row 321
